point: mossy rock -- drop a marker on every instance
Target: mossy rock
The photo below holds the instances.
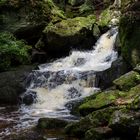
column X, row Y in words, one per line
column 102, row 100
column 27, row 19
column 127, row 81
column 70, row 33
column 50, row 123
column 98, row 133
column 125, row 123
column 129, row 34
column 96, row 119
column 12, row 84
column 111, row 98
column 137, row 68
column 134, row 96
column 105, row 18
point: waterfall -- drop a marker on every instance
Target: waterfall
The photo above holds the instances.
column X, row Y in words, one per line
column 56, row 86
column 63, row 81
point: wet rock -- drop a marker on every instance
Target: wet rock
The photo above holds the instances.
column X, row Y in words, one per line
column 12, row 84
column 96, row 119
column 51, row 123
column 26, row 134
column 73, row 106
column 101, row 100
column 80, row 61
column 125, row 123
column 29, row 97
column 99, row 133
column 105, row 78
column 73, row 93
column 4, row 124
column 127, row 81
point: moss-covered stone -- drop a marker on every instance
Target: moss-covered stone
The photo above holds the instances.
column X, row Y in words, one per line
column 129, row 34
column 27, row 19
column 125, row 123
column 127, row 81
column 105, row 18
column 96, row 119
column 134, row 96
column 50, row 123
column 99, row 133
column 101, row 100
column 69, row 33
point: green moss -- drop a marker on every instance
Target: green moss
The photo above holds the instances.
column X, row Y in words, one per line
column 96, row 119
column 51, row 123
column 2, row 2
column 102, row 100
column 125, row 122
column 70, row 27
column 86, row 8
column 55, row 11
column 12, row 52
column 127, row 81
column 105, row 18
column 99, row 133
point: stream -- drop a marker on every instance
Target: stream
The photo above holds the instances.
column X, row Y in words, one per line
column 56, row 86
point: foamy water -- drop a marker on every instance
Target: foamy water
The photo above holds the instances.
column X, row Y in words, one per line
column 69, row 79
column 55, row 85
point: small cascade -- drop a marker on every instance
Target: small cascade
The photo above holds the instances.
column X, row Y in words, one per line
column 68, row 79
column 55, row 86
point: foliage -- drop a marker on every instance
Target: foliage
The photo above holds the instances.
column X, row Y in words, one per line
column 12, row 51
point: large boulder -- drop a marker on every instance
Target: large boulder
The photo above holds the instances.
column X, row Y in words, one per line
column 99, row 118
column 101, row 100
column 129, row 34
column 51, row 123
column 27, row 19
column 71, row 33
column 127, row 81
column 12, row 84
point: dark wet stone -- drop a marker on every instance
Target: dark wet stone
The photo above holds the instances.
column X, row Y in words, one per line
column 29, row 97
column 105, row 78
column 12, row 84
column 51, row 123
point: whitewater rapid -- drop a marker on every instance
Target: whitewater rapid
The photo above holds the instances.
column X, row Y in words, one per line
column 57, row 85
column 70, row 78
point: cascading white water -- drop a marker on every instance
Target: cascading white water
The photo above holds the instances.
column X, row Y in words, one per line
column 69, row 78
column 97, row 60
column 58, row 84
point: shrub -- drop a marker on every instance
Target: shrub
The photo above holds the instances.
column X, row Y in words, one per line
column 13, row 52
